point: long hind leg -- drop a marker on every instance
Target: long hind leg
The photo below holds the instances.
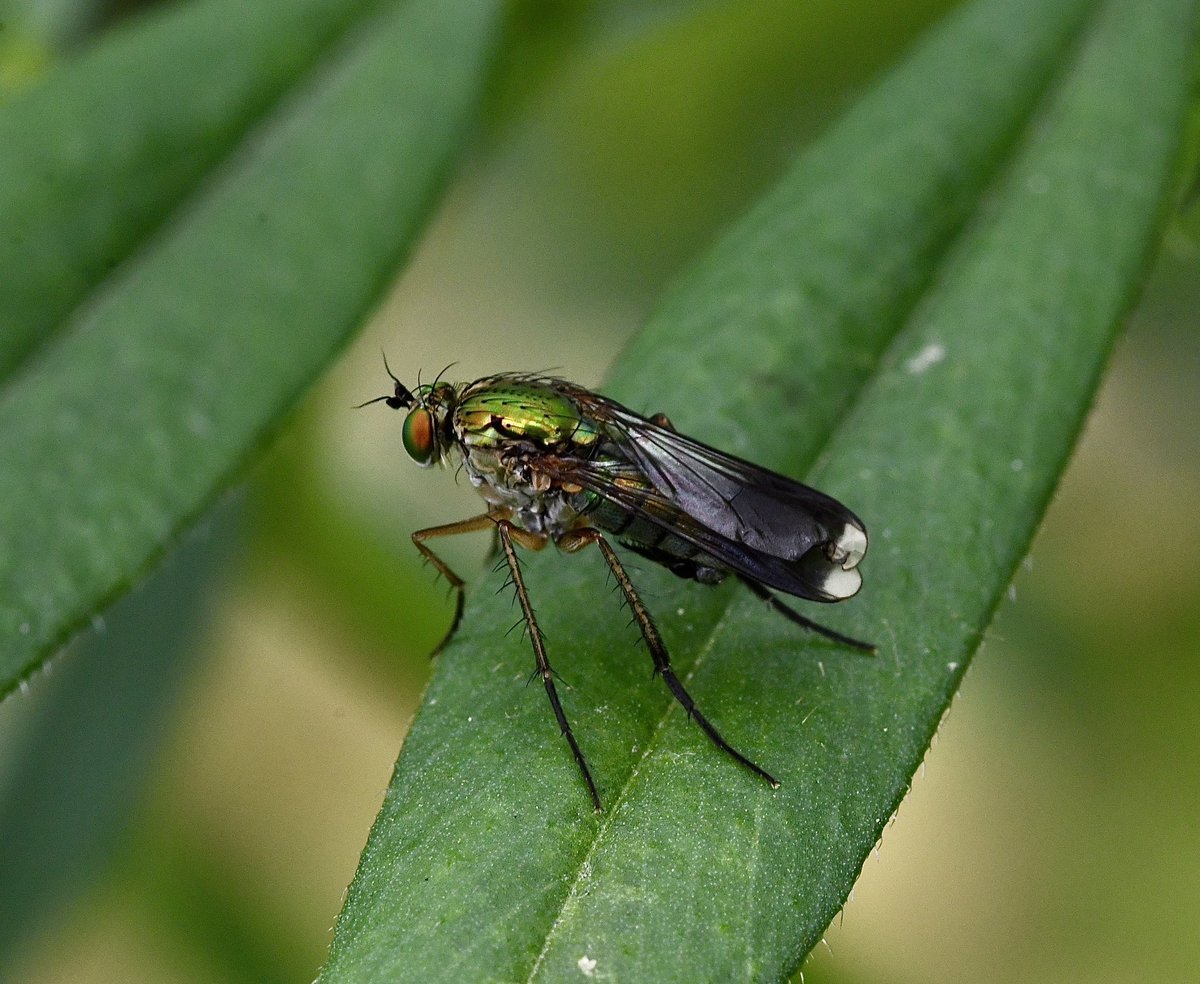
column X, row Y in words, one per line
column 794, row 616
column 578, row 539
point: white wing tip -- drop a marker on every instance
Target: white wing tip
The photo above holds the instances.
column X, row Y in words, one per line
column 850, row 547
column 840, row 583
column 843, row 580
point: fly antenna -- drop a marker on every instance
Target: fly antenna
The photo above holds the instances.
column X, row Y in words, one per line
column 388, row 368
column 367, row 403
column 399, row 399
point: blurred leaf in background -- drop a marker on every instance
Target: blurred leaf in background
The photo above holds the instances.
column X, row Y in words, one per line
column 77, row 765
column 34, row 32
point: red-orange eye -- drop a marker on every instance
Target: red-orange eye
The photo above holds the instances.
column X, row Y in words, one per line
column 420, row 441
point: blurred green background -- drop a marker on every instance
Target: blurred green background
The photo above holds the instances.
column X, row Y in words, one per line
column 1050, row 836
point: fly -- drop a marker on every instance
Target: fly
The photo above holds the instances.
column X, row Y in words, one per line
column 559, row 464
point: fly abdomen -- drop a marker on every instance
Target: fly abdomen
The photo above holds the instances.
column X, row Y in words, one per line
column 655, row 542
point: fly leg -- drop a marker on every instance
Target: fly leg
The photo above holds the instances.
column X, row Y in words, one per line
column 576, row 540
column 472, row 525
column 794, row 616
column 507, row 533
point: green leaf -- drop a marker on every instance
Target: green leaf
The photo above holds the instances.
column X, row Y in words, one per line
column 93, row 160
column 80, row 763
column 915, row 319
column 124, row 428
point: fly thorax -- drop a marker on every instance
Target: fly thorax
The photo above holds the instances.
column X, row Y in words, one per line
column 491, row 475
column 500, row 477
column 506, row 480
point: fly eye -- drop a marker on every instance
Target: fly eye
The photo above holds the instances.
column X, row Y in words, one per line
column 420, row 438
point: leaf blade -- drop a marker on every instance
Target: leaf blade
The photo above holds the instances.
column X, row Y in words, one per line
column 94, row 158
column 81, row 763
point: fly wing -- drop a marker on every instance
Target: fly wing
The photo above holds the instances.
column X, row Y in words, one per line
column 761, row 524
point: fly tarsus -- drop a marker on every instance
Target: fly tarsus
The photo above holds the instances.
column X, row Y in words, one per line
column 506, row 534
column 689, row 705
column 794, row 616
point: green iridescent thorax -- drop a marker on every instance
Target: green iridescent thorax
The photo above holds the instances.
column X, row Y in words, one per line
column 504, row 426
column 493, row 412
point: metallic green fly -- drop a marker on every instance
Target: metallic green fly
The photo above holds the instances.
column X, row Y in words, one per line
column 559, row 464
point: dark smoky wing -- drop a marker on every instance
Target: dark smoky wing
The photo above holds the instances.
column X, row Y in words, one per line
column 735, row 498
column 805, row 577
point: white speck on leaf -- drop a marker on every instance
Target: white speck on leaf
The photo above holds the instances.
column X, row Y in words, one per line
column 1016, row 464
column 587, row 965
column 929, row 356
